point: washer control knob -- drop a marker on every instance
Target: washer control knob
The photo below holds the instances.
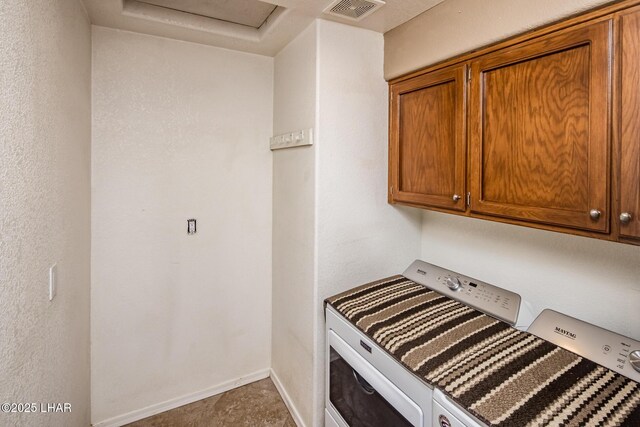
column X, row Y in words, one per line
column 453, row 283
column 634, row 358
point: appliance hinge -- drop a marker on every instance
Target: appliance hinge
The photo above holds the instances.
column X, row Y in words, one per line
column 468, row 74
column 468, row 199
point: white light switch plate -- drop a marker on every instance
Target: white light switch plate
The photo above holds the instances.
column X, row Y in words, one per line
column 53, row 281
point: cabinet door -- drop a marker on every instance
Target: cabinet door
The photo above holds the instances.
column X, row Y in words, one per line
column 629, row 191
column 427, row 148
column 539, row 129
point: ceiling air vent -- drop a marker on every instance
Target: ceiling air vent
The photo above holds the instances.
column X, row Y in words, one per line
column 353, row 9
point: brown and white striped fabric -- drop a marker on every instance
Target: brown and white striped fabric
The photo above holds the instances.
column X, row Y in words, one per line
column 503, row 376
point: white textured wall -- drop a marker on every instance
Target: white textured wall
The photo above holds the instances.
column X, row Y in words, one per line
column 45, row 132
column 180, row 130
column 333, row 228
column 294, row 224
column 458, row 26
column 591, row 279
column 359, row 236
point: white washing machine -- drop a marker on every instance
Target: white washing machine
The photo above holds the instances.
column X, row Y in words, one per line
column 606, row 348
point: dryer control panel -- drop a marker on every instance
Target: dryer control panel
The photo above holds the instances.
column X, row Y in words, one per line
column 492, row 300
column 609, row 349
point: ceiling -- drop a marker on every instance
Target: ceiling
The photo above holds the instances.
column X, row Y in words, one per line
column 252, row 13
column 262, row 27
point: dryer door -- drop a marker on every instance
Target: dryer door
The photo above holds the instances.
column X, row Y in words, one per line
column 363, row 396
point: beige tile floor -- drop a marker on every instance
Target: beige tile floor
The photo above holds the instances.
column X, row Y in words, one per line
column 255, row 404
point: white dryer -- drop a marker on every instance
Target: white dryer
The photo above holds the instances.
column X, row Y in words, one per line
column 365, row 384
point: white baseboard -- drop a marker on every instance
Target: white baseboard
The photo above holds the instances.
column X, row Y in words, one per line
column 287, row 400
column 139, row 414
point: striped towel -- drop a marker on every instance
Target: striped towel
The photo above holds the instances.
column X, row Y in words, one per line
column 503, row 376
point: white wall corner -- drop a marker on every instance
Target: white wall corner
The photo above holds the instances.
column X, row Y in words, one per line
column 293, row 410
column 170, row 404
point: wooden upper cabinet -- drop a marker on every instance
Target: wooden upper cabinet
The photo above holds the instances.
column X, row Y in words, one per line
column 539, row 130
column 427, row 147
column 629, row 178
